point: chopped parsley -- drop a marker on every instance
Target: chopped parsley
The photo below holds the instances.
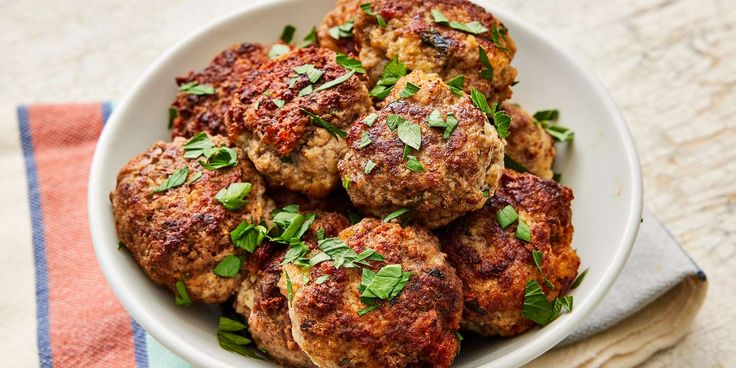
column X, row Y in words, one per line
column 344, row 30
column 232, row 335
column 457, row 84
column 547, row 115
column 343, row 256
column 174, row 180
column 556, row 176
column 182, row 297
column 310, row 71
column 220, row 157
column 289, row 289
column 502, row 122
column 540, row 310
column 434, row 120
column 385, row 284
column 287, row 35
column 233, row 197
column 500, row 119
column 509, row 163
column 353, row 217
column 538, row 258
column 346, row 182
column 200, row 144
column 506, row 216
column 523, row 232
column 496, row 36
column 278, row 50
column 473, row 27
column 368, row 9
column 306, row 90
column 548, row 119
column 335, row 81
column 370, row 119
column 248, row 236
column 579, row 279
column 410, row 134
column 173, row 114
column 487, row 72
column 414, row 165
column 228, row 266
column 409, row 90
column 395, row 214
column 195, row 177
column 321, row 280
column 329, row 127
column 479, row 100
column 365, row 140
column 391, row 74
column 349, row 63
column 393, row 121
column 369, row 166
column 194, row 88
column 309, row 39
column 278, row 102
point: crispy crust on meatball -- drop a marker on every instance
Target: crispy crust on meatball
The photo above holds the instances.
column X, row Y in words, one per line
column 457, row 170
column 183, row 233
column 285, row 145
column 416, row 328
column 421, row 44
column 345, row 11
column 528, row 143
column 261, row 301
column 495, row 265
column 197, row 113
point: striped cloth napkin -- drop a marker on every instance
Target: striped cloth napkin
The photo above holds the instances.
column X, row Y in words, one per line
column 57, row 310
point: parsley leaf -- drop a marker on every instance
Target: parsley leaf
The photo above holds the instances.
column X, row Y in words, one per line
column 344, row 30
column 502, row 123
column 547, row 119
column 369, row 166
column 233, row 198
column 434, row 120
column 393, row 121
column 370, row 119
column 579, row 279
column 365, row 140
column 473, row 27
column 342, row 255
column 219, row 158
column 547, row 115
column 368, row 9
column 198, row 145
column 174, row 180
column 391, row 74
column 560, row 133
column 309, row 39
column 538, row 258
column 395, row 214
column 228, row 266
column 182, row 297
column 457, row 84
column 248, row 236
column 288, row 34
column 346, row 182
column 310, row 71
column 321, row 280
column 306, row 90
column 414, row 164
column 410, row 134
column 540, row 310
column 409, row 90
column 509, row 163
column 486, row 73
column 173, row 114
column 335, row 81
column 194, row 88
column 230, row 325
column 385, row 284
column 506, row 216
column 349, row 63
column 289, row 289
column 278, row 102
column 523, row 232
column 278, row 50
column 479, row 100
column 329, row 127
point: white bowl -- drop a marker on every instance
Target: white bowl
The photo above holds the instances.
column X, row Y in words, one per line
column 601, row 166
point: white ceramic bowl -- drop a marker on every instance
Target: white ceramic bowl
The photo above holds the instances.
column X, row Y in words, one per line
column 601, row 166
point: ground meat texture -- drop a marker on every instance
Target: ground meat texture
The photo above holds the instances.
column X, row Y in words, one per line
column 285, row 145
column 197, row 113
column 421, row 44
column 345, row 11
column 459, row 172
column 495, row 265
column 528, row 143
column 337, row 201
column 262, row 303
column 183, row 233
column 415, row 329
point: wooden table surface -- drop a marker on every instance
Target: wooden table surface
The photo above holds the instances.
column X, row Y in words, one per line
column 669, row 64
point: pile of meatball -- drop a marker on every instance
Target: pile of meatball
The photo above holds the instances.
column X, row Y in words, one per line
column 385, row 154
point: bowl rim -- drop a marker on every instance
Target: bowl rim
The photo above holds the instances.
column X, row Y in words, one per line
column 519, row 356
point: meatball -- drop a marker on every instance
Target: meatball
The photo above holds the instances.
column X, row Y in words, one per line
column 414, row 37
column 528, row 143
column 415, row 328
column 197, row 112
column 343, row 15
column 262, row 303
column 495, row 265
column 454, row 170
column 182, row 233
column 290, row 122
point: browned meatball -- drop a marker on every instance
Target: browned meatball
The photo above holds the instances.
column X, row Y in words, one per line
column 343, row 15
column 270, row 119
column 206, row 112
column 416, row 328
column 261, row 301
column 456, row 172
column 418, row 41
column 495, row 265
column 181, row 234
column 528, row 143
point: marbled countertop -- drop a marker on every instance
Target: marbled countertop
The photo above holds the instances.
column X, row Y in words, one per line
column 669, row 64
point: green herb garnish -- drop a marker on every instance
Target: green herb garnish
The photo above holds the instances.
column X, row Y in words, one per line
column 228, row 266
column 369, row 166
column 506, row 216
column 173, row 114
column 174, row 180
column 309, row 39
column 391, row 74
column 182, row 297
column 289, row 289
column 279, row 103
column 370, row 119
column 194, row 88
column 342, row 256
column 410, row 134
column 200, row 144
column 395, row 214
column 248, row 236
column 368, row 9
column 329, row 127
column 385, row 284
column 278, row 50
column 349, row 63
column 344, row 30
column 310, row 71
column 220, row 157
column 523, row 232
column 502, row 122
column 509, row 163
column 540, row 310
column 579, row 279
column 457, row 84
column 487, row 72
column 321, row 280
column 306, row 90
column 288, row 34
column 434, row 120
column 538, row 258
column 233, row 197
column 473, row 27
column 335, row 81
column 346, row 182
column 409, row 90
column 414, row 165
column 365, row 140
